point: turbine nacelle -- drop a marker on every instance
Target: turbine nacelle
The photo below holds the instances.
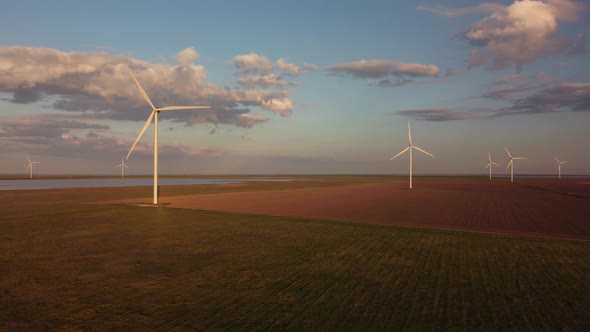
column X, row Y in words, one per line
column 560, row 162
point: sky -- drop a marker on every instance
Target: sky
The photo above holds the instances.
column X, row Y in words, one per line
column 295, row 87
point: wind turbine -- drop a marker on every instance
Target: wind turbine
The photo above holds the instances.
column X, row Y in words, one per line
column 490, row 164
column 30, row 167
column 559, row 166
column 410, row 147
column 511, row 163
column 123, row 166
column 154, row 115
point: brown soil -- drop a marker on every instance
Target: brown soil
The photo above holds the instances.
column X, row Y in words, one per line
column 532, row 207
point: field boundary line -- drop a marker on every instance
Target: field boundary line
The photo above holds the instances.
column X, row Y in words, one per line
column 554, row 191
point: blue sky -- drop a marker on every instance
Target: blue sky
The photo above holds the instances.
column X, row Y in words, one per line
column 296, row 86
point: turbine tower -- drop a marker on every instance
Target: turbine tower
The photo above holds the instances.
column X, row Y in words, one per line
column 511, row 163
column 559, row 166
column 154, row 115
column 123, row 166
column 30, row 167
column 490, row 163
column 410, row 148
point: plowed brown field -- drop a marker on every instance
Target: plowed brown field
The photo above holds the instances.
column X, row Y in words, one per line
column 546, row 208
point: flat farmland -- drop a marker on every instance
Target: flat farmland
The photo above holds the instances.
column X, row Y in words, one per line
column 532, row 207
column 67, row 263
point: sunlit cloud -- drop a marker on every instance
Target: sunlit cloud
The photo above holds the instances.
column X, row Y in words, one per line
column 521, row 33
column 264, row 81
column 99, row 86
column 283, row 65
column 252, row 63
column 383, row 69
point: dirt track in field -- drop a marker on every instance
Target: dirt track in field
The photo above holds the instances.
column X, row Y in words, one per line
column 534, row 207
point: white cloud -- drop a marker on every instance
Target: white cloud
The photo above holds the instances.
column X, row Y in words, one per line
column 310, row 67
column 383, row 68
column 283, row 65
column 283, row 106
column 187, row 56
column 252, row 63
column 265, row 81
column 99, row 85
column 250, row 120
column 520, row 33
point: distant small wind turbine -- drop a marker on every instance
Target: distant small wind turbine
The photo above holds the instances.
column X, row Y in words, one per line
column 559, row 166
column 410, row 147
column 123, row 166
column 511, row 163
column 490, row 164
column 30, row 167
column 154, row 115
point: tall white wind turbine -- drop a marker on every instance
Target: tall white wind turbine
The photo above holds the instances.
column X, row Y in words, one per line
column 490, row 164
column 410, row 148
column 559, row 166
column 30, row 167
column 154, row 115
column 123, row 166
column 511, row 163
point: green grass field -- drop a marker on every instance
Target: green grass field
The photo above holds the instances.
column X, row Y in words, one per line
column 99, row 267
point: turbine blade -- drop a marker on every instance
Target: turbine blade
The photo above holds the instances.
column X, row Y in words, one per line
column 147, row 123
column 399, row 154
column 30, row 165
column 509, row 155
column 556, row 159
column 409, row 133
column 117, row 166
column 493, row 163
column 171, row 108
column 519, row 158
column 564, row 162
column 125, row 166
column 145, row 96
column 28, row 158
column 488, row 165
column 489, row 157
column 428, row 153
column 510, row 163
